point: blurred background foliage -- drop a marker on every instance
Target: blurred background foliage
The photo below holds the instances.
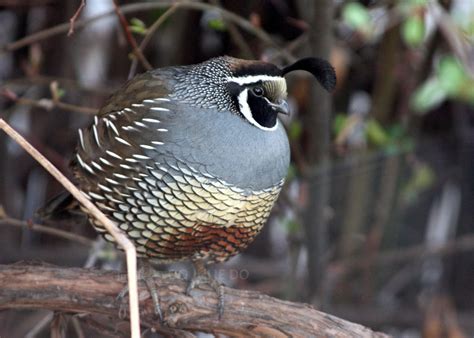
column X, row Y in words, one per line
column 376, row 221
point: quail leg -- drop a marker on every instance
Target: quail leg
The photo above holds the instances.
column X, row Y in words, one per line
column 146, row 273
column 202, row 276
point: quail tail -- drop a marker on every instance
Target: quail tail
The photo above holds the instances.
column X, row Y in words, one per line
column 203, row 276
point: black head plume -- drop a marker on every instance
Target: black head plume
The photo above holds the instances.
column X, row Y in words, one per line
column 320, row 68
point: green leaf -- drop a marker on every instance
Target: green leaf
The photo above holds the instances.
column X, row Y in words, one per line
column 356, row 16
column 428, row 95
column 413, row 31
column 61, row 92
column 376, row 134
column 138, row 26
column 292, row 226
column 292, row 173
column 451, row 74
column 217, row 24
column 339, row 123
column 295, row 130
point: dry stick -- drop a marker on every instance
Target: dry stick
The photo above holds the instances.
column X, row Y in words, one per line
column 146, row 39
column 73, row 19
column 120, row 238
column 417, row 252
column 47, row 230
column 130, row 38
column 48, row 104
column 143, row 6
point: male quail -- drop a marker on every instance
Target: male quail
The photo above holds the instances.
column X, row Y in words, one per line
column 188, row 161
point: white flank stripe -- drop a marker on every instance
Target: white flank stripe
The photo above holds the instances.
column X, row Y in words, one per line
column 158, row 143
column 162, row 99
column 96, row 196
column 121, row 140
column 140, row 124
column 103, row 187
column 112, row 125
column 150, row 120
column 97, row 165
column 146, row 146
column 111, row 181
column 81, row 139
column 103, row 160
column 137, row 105
column 96, row 135
column 84, row 165
column 162, row 129
column 159, row 109
column 111, row 153
column 120, row 176
column 141, row 157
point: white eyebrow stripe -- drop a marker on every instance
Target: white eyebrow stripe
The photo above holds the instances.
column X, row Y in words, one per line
column 254, row 79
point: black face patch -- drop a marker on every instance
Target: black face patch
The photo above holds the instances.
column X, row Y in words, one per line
column 261, row 111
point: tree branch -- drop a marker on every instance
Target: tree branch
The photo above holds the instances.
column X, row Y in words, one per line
column 92, row 291
column 144, row 6
column 130, row 38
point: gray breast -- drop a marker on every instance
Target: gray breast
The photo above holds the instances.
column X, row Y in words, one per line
column 226, row 146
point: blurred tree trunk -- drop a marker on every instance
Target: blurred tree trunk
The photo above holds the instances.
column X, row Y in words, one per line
column 316, row 135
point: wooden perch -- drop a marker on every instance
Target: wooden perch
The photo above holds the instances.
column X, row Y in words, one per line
column 92, row 291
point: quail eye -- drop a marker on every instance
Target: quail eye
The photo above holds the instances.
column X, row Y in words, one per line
column 258, row 91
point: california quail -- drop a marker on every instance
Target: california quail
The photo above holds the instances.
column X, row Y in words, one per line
column 189, row 160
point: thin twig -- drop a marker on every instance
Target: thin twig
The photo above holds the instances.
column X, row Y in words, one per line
column 47, row 104
column 130, row 38
column 419, row 252
column 73, row 19
column 236, row 36
column 118, row 235
column 150, row 31
column 47, row 230
column 144, row 6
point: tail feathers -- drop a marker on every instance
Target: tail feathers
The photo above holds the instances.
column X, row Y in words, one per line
column 61, row 207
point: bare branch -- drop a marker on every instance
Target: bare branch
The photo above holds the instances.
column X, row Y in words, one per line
column 46, row 229
column 419, row 252
column 146, row 39
column 246, row 314
column 47, row 104
column 130, row 38
column 144, row 6
column 117, row 234
column 73, row 19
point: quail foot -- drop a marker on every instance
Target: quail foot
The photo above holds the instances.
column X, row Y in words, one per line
column 189, row 160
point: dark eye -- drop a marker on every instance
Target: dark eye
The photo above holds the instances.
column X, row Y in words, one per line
column 258, row 91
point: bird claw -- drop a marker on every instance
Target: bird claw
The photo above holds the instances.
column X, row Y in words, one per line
column 146, row 274
column 202, row 276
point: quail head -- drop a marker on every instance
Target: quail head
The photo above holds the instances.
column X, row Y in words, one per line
column 188, row 161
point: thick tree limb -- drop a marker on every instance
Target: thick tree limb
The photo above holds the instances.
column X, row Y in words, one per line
column 91, row 291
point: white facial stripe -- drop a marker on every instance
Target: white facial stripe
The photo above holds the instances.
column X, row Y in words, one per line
column 254, row 79
column 245, row 110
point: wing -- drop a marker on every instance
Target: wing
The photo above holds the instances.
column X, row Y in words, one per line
column 123, row 130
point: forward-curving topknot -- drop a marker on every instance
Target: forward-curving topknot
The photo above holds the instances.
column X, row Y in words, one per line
column 320, row 68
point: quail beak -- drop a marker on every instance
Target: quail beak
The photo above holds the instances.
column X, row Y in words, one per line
column 281, row 107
